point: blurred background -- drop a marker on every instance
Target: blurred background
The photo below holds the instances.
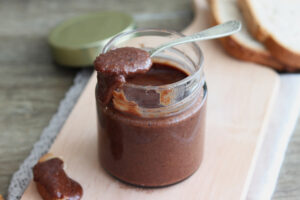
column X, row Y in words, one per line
column 31, row 85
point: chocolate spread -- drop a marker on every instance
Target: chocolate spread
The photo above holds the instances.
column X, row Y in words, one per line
column 145, row 151
column 53, row 182
column 116, row 65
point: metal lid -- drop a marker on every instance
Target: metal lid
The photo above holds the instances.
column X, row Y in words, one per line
column 76, row 42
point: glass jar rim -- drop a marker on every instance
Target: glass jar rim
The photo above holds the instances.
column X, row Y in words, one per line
column 196, row 48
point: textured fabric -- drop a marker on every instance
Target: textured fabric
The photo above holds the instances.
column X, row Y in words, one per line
column 23, row 176
column 270, row 157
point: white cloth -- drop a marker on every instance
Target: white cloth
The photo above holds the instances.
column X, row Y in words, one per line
column 282, row 123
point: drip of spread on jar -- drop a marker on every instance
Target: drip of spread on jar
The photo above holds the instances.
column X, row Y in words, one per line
column 115, row 66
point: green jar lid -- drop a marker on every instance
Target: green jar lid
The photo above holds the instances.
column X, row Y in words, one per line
column 78, row 41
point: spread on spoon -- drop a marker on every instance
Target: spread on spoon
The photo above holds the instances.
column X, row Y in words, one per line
column 116, row 65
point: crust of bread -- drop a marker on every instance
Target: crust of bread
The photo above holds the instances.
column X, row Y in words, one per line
column 282, row 53
column 238, row 50
column 46, row 157
column 256, row 30
column 277, row 50
column 1, row 197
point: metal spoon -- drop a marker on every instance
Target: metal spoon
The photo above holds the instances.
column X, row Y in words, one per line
column 217, row 31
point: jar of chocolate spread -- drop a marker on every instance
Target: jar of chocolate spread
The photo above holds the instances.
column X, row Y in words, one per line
column 151, row 129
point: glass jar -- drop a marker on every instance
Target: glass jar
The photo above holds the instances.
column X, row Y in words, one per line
column 161, row 142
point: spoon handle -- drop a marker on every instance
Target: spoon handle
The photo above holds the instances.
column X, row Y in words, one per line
column 217, row 31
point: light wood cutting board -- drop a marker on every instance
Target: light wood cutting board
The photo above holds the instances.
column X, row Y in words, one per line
column 239, row 102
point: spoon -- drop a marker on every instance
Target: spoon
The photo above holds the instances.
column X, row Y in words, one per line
column 218, row 31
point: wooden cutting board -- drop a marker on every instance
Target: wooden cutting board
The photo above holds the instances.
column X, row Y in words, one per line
column 239, row 102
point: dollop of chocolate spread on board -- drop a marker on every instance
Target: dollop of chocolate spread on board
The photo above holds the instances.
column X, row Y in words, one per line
column 116, row 65
column 53, row 182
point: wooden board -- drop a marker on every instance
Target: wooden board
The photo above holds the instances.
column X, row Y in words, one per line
column 239, row 102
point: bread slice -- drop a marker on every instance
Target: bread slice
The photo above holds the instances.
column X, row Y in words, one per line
column 241, row 45
column 276, row 24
